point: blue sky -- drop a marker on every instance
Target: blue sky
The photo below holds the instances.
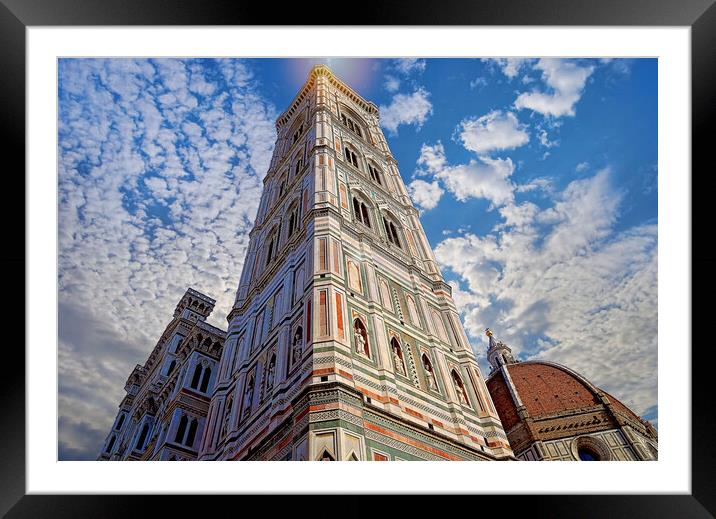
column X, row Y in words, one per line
column 536, row 180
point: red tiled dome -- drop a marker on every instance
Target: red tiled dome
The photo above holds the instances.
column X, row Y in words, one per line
column 543, row 388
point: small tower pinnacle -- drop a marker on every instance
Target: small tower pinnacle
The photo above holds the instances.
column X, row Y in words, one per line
column 194, row 306
column 498, row 353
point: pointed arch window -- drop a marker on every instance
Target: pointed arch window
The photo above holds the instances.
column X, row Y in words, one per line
column 385, row 298
column 360, row 210
column 110, row 445
column 197, row 376
column 439, row 326
column 391, row 231
column 142, row 437
column 351, row 157
column 353, row 126
column 460, row 388
column 297, row 167
column 375, row 173
column 181, row 430
column 120, row 422
column 172, row 365
column 191, row 434
column 412, row 310
column 292, row 220
column 360, row 335
column 205, row 380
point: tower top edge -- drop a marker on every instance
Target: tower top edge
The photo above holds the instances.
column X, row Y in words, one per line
column 322, row 70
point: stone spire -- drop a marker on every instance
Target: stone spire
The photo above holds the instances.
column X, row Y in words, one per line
column 498, row 353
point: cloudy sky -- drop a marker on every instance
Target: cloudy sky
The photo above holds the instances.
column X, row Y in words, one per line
column 536, row 180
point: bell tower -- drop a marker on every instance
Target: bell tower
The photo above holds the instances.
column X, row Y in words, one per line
column 498, row 353
column 344, row 342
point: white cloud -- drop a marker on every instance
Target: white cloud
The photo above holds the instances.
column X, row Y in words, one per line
column 563, row 284
column 432, row 157
column 496, row 130
column 158, row 189
column 566, row 80
column 486, row 178
column 510, row 66
column 407, row 66
column 581, row 167
column 425, row 195
column 392, row 83
column 412, row 109
column 478, row 83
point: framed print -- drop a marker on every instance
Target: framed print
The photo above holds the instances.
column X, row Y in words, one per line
column 460, row 234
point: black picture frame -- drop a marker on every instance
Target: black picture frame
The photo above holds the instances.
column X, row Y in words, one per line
column 700, row 15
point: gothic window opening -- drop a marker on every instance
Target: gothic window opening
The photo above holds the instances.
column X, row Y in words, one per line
column 398, row 361
column 269, row 251
column 385, row 295
column 460, row 388
column 391, row 231
column 351, row 125
column 181, row 430
column 361, row 338
column 142, row 437
column 297, row 167
column 429, row 373
column 119, row 422
column 191, row 435
column 297, row 134
column 375, row 174
column 412, row 310
column 197, row 376
column 351, row 157
column 110, row 444
column 205, row 380
column 292, row 221
column 360, row 211
column 171, row 367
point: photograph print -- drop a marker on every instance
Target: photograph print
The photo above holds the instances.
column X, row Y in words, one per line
column 345, row 259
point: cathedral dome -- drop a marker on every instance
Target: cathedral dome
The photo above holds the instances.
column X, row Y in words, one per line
column 552, row 412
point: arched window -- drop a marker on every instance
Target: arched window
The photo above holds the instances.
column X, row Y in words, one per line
column 205, row 380
column 119, row 422
column 398, row 361
column 429, row 373
column 142, row 437
column 297, row 167
column 460, row 388
column 197, row 376
column 172, row 365
column 391, row 231
column 292, row 220
column 269, row 250
column 297, row 134
column 110, row 444
column 361, row 338
column 349, row 122
column 191, row 435
column 360, row 210
column 375, row 174
column 351, row 157
column 181, row 430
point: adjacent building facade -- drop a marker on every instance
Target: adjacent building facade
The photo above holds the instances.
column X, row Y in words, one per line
column 343, row 342
column 163, row 415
